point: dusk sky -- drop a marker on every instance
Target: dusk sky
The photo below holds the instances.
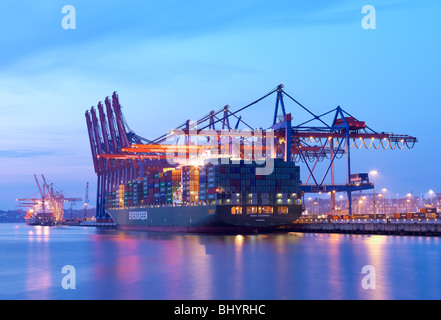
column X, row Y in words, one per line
column 175, row 60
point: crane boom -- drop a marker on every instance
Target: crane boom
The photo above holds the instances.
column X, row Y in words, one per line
column 38, row 185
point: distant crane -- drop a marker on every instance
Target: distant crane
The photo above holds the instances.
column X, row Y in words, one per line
column 86, row 201
column 50, row 205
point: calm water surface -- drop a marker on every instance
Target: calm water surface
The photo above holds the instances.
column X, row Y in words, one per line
column 112, row 264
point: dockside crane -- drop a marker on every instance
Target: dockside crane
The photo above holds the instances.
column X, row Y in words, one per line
column 51, row 202
column 308, row 143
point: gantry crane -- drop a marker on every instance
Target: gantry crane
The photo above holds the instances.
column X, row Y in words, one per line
column 120, row 155
column 50, row 205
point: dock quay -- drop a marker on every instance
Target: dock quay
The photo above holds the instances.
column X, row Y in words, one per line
column 407, row 227
column 97, row 224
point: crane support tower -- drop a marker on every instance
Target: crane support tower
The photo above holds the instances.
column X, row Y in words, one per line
column 86, row 201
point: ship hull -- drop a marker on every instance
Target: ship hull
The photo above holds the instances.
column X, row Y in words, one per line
column 40, row 222
column 200, row 219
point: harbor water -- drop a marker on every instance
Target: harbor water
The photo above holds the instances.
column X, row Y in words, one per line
column 111, row 264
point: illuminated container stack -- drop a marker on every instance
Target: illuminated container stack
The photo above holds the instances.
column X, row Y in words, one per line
column 190, row 180
column 119, row 199
column 172, row 185
column 158, row 188
column 238, row 183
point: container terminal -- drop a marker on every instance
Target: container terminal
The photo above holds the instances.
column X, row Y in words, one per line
column 424, row 223
column 200, row 173
column 47, row 207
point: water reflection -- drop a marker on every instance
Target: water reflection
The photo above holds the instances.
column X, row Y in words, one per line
column 376, row 256
column 112, row 264
column 38, row 277
column 238, row 265
column 39, row 233
column 283, row 266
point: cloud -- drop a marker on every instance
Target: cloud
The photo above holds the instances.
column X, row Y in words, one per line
column 30, row 153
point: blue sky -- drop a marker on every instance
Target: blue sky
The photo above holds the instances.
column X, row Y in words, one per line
column 174, row 60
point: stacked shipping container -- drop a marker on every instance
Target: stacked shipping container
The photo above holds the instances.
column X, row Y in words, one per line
column 190, row 181
column 237, row 183
column 172, row 185
column 158, row 188
column 226, row 183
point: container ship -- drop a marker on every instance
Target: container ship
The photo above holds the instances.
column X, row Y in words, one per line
column 210, row 198
column 48, row 209
column 42, row 218
column 140, row 187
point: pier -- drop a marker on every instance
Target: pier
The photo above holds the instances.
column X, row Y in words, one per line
column 405, row 227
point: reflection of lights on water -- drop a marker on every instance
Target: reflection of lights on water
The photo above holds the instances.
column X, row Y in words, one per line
column 376, row 240
column 239, row 240
column 38, row 230
column 376, row 255
column 39, row 233
column 238, row 265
